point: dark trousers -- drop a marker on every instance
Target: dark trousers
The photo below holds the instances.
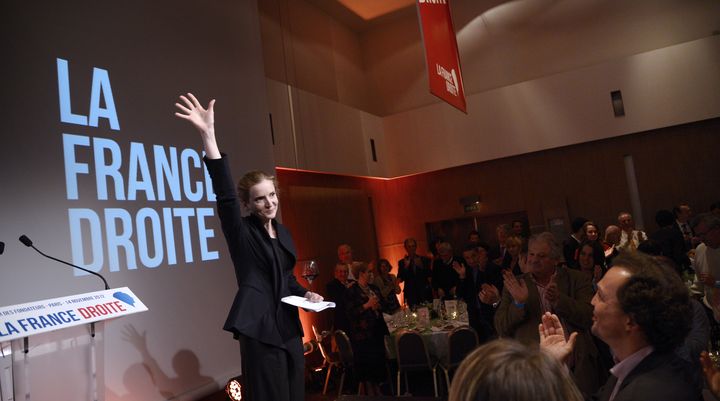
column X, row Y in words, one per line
column 272, row 373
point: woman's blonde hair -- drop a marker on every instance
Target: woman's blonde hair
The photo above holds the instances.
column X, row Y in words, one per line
column 506, row 370
column 250, row 179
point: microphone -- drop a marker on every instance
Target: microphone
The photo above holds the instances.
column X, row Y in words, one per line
column 27, row 242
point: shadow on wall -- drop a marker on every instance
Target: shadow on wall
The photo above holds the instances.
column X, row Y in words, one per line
column 147, row 381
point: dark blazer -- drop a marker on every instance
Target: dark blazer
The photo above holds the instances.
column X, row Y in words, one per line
column 658, row 377
column 672, row 244
column 481, row 317
column 417, row 287
column 257, row 311
column 336, row 293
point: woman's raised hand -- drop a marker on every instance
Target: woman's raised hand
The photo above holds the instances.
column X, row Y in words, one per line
column 203, row 119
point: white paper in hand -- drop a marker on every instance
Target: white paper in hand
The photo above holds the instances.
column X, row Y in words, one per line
column 303, row 302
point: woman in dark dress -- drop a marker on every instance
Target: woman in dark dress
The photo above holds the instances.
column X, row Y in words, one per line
column 364, row 305
column 263, row 255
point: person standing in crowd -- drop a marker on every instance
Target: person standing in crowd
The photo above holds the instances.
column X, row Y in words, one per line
column 670, row 239
column 388, row 285
column 514, row 246
column 336, row 289
column 707, row 267
column 518, row 229
column 479, row 285
column 444, row 277
column 499, row 253
column 414, row 271
column 550, row 287
column 591, row 235
column 683, row 213
column 345, row 257
column 610, row 244
column 364, row 304
column 630, row 238
column 571, row 243
column 263, row 254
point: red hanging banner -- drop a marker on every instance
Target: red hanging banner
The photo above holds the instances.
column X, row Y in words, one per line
column 441, row 52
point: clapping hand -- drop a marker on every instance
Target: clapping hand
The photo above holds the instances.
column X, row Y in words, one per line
column 489, row 294
column 552, row 294
column 712, row 375
column 373, row 303
column 460, row 269
column 517, row 288
column 552, row 337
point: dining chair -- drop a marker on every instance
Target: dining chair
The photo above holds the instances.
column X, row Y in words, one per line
column 347, row 357
column 461, row 341
column 330, row 359
column 412, row 355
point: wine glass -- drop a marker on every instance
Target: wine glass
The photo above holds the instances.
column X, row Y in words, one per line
column 310, row 270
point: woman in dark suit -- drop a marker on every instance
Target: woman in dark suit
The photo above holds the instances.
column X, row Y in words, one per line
column 263, row 254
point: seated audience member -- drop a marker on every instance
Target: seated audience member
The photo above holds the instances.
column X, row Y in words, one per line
column 444, row 277
column 414, row 271
column 550, row 287
column 586, row 262
column 345, row 257
column 514, row 246
column 571, row 243
column 630, row 238
column 479, row 285
column 364, row 304
column 387, row 283
column 498, row 253
column 506, row 370
column 610, row 244
column 642, row 311
column 335, row 291
column 670, row 239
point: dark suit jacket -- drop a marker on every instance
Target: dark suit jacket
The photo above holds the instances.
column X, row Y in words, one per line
column 481, row 317
column 658, row 377
column 336, row 292
column 257, row 311
column 672, row 244
column 417, row 287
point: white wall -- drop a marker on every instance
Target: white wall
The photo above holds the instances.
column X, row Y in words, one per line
column 664, row 87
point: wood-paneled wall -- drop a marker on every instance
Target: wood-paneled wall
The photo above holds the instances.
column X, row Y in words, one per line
column 672, row 164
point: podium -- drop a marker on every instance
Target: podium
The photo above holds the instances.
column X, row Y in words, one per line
column 57, row 343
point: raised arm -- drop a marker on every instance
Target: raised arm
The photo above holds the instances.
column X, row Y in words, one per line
column 203, row 119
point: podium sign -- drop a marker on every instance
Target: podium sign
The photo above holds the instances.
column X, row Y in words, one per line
column 24, row 320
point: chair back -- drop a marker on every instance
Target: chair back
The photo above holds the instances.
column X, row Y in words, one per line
column 328, row 356
column 411, row 351
column 461, row 341
column 344, row 348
